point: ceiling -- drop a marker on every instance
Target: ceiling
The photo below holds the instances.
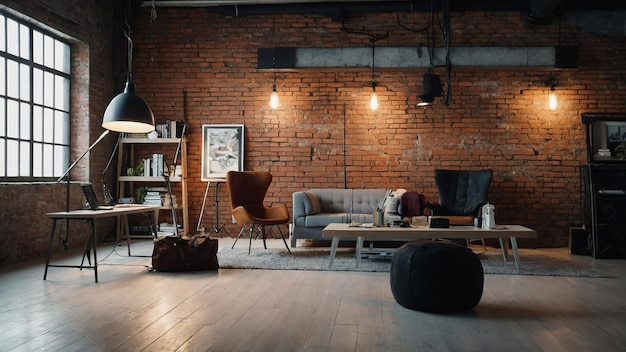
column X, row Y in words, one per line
column 604, row 17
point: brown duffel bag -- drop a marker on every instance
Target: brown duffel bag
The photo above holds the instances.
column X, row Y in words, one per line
column 173, row 253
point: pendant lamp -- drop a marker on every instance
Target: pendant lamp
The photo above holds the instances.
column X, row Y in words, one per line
column 373, row 95
column 128, row 112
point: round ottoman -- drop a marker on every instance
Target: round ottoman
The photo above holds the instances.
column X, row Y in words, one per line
column 438, row 277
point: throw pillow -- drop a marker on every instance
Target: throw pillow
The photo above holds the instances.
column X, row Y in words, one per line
column 393, row 201
column 312, row 204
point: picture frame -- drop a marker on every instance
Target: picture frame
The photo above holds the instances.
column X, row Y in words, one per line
column 222, row 150
column 616, row 138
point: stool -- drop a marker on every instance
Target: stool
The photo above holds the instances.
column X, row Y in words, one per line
column 437, row 277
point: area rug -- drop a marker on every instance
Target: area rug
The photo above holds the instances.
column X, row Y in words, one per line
column 317, row 259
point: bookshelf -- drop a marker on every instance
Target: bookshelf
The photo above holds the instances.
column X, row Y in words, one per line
column 133, row 151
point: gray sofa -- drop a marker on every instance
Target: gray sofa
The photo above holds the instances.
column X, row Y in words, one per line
column 316, row 208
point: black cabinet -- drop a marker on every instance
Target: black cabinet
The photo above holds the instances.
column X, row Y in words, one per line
column 605, row 193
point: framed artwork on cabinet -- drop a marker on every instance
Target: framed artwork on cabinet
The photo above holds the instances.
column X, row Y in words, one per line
column 222, row 150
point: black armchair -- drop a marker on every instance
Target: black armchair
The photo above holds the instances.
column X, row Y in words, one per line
column 461, row 193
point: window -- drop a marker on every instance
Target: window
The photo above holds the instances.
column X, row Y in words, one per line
column 34, row 102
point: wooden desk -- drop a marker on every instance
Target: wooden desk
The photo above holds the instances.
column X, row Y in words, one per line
column 120, row 211
column 340, row 230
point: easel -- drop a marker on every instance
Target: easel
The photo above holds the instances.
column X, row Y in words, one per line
column 216, row 227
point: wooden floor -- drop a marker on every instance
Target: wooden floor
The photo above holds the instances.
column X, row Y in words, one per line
column 133, row 309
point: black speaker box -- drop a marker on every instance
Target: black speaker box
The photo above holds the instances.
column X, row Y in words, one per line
column 566, row 57
column 579, row 241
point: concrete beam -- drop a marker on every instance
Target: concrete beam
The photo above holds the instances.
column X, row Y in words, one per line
column 416, row 57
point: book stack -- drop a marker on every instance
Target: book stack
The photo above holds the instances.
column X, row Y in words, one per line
column 170, row 129
column 153, row 198
column 167, row 229
column 153, row 166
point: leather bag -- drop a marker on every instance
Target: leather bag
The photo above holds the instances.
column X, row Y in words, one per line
column 174, row 253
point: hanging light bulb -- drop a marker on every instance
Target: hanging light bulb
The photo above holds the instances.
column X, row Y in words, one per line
column 274, row 99
column 373, row 97
column 553, row 101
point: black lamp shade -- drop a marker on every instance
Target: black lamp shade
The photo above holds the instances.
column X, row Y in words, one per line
column 128, row 112
column 431, row 87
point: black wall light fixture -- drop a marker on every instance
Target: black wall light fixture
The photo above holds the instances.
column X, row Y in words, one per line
column 431, row 88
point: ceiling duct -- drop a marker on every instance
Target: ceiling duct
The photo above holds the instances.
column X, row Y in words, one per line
column 541, row 10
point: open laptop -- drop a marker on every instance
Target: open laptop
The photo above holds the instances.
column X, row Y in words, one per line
column 94, row 204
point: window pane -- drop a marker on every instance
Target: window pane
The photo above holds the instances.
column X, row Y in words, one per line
column 37, row 86
column 48, row 89
column 3, row 171
column 38, row 124
column 48, row 126
column 61, row 123
column 48, row 161
column 24, row 42
column 24, row 159
column 25, row 121
column 62, row 56
column 13, row 39
column 61, row 92
column 48, row 51
column 3, row 116
column 13, row 79
column 37, row 160
column 24, row 82
column 38, row 47
column 13, row 120
column 3, row 76
column 12, row 152
column 2, row 33
column 61, row 157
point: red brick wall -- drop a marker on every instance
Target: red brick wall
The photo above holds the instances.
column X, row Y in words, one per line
column 498, row 118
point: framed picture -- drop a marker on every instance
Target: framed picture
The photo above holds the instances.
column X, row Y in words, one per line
column 616, row 138
column 222, row 150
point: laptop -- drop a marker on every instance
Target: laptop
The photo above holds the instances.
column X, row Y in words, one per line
column 94, row 204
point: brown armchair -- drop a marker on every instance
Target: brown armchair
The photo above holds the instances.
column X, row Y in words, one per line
column 247, row 191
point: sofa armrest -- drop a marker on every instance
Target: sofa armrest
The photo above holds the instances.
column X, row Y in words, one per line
column 298, row 199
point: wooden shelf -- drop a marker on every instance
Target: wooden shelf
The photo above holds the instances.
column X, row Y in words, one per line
column 150, row 141
column 148, row 179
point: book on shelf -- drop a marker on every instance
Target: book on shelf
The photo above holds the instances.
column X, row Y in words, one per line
column 170, row 129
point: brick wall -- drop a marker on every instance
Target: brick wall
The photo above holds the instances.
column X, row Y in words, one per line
column 498, row 118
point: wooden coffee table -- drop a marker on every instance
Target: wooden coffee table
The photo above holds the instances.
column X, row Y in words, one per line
column 339, row 231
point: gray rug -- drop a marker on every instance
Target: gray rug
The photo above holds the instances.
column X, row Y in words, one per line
column 317, row 259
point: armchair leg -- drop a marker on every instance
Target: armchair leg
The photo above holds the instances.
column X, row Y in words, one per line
column 250, row 233
column 243, row 228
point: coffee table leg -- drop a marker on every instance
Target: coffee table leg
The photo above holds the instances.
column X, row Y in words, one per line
column 333, row 251
column 359, row 248
column 515, row 253
column 504, row 245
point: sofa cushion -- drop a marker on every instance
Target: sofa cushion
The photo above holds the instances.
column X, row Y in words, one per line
column 323, row 219
column 312, row 203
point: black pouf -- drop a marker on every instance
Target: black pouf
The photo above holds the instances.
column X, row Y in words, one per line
column 438, row 277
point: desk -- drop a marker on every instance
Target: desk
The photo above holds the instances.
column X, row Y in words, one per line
column 502, row 232
column 120, row 211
